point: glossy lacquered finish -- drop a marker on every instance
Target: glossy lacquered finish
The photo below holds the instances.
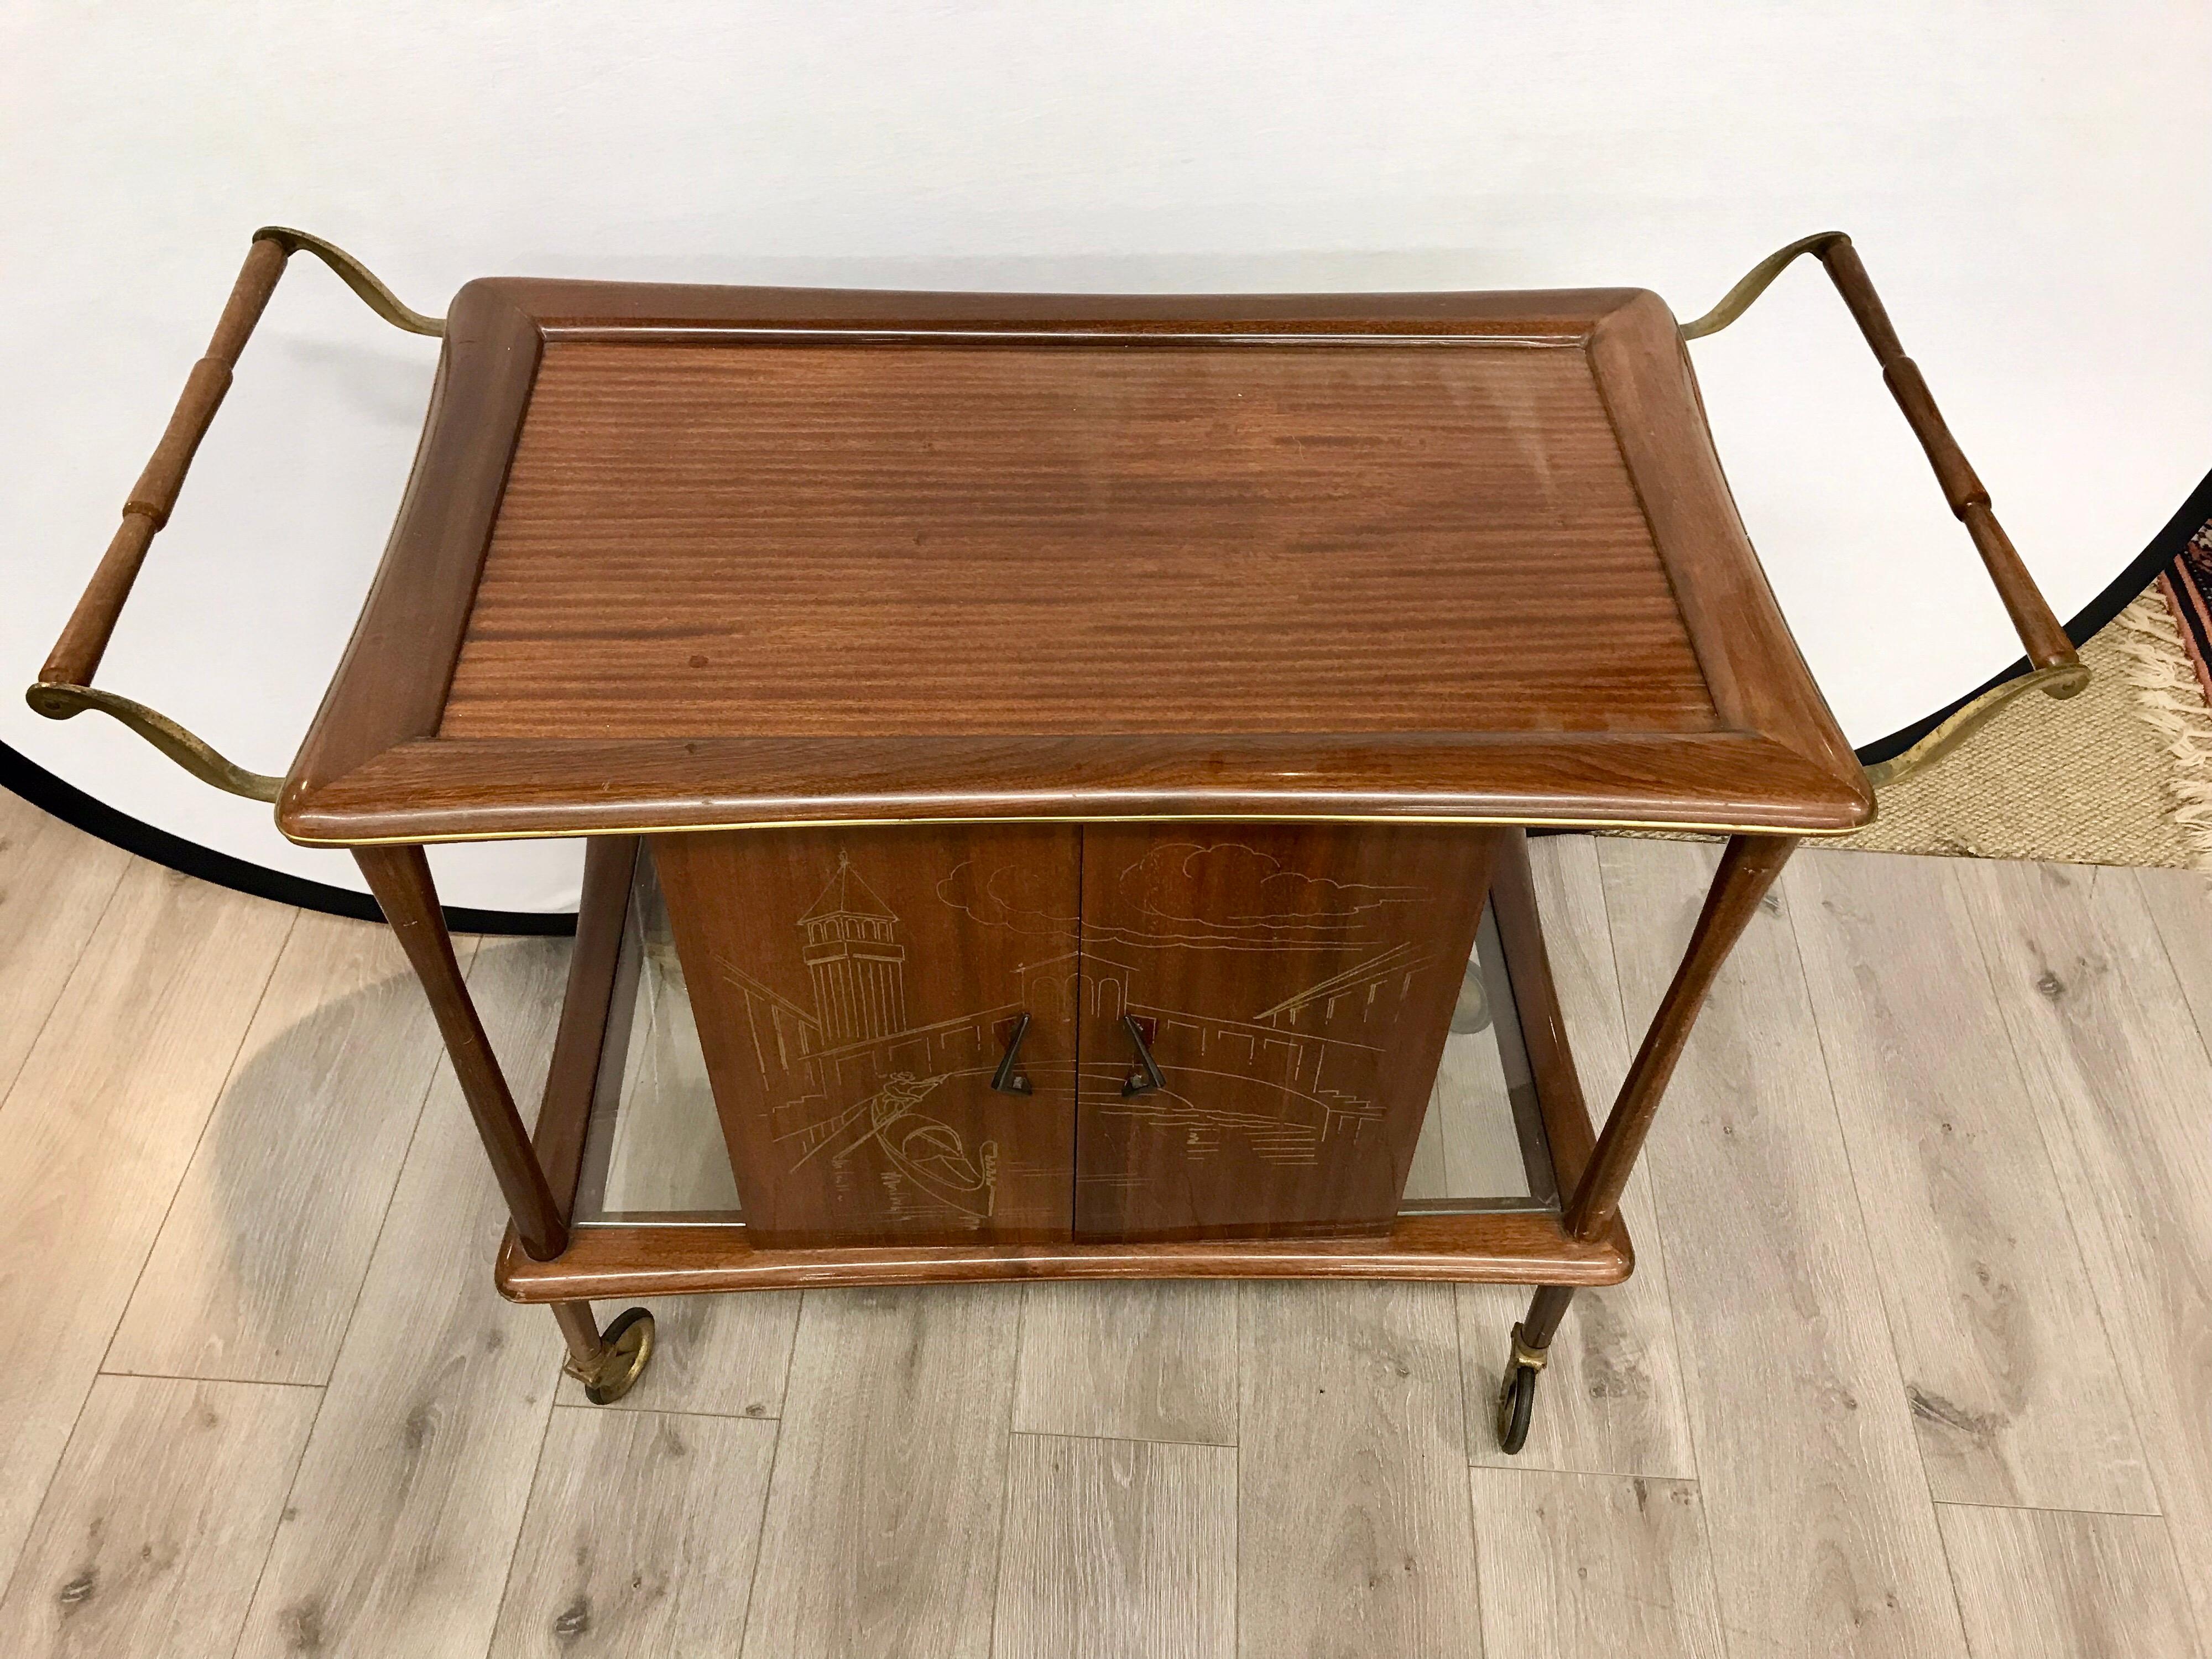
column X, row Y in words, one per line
column 1164, row 1212
column 687, row 558
column 977, row 1034
column 1297, row 983
column 855, row 992
column 1501, row 1248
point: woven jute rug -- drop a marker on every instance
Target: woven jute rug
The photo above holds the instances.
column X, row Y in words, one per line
column 2121, row 774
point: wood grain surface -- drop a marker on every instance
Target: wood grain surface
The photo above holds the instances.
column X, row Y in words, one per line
column 1117, row 1549
column 263, row 1249
column 800, row 540
column 1129, row 1362
column 856, row 991
column 641, row 1537
column 1355, row 1534
column 1503, row 1246
column 99, row 1129
column 1574, row 1566
column 57, row 882
column 714, row 1356
column 2110, row 1020
column 433, row 1489
column 397, row 1532
column 2006, row 1365
column 2042, row 1584
column 1300, row 981
column 151, row 1537
column 758, row 548
column 1772, row 1261
column 883, row 1530
column 446, row 789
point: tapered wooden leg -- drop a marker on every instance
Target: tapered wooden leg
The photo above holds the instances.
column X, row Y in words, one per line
column 606, row 1366
column 1545, row 1313
column 400, row 878
column 1747, row 870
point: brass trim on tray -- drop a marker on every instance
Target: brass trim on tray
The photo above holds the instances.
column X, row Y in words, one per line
column 1465, row 819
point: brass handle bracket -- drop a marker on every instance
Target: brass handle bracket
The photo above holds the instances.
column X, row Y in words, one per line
column 2055, row 667
column 65, row 686
column 195, row 754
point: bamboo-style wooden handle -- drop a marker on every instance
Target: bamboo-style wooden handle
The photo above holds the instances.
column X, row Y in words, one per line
column 2040, row 634
column 65, row 688
column 2039, row 631
column 75, row 656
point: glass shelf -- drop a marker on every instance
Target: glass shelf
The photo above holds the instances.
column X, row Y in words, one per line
column 654, row 1150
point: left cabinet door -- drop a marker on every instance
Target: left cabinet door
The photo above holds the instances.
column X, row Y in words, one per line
column 855, row 992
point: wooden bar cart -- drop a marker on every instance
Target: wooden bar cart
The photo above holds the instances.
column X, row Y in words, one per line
column 1056, row 769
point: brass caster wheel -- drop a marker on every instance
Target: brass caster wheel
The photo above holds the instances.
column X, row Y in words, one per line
column 625, row 1350
column 1516, row 1395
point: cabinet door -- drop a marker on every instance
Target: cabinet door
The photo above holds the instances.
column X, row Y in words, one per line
column 1295, row 984
column 855, row 991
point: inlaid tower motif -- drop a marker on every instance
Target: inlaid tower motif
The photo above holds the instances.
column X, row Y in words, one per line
column 858, row 966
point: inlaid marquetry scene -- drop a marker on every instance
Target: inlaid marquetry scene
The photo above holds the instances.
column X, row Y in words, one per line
column 856, row 1071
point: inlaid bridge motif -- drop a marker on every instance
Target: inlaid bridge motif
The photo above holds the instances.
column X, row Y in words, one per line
column 850, row 1081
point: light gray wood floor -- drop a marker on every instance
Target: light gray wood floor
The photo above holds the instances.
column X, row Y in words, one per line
column 1917, row 1360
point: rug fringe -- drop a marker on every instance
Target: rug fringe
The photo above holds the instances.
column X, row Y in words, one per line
column 2168, row 698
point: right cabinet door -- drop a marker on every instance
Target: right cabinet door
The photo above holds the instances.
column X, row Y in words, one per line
column 1294, row 985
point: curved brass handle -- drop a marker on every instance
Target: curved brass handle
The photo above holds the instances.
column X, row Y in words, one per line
column 65, row 685
column 2057, row 668
column 1144, row 1076
column 1009, row 1080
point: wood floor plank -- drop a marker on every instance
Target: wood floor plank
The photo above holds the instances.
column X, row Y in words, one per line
column 1612, row 1394
column 402, row 1523
column 2042, row 1584
column 2006, row 1367
column 1117, row 1549
column 157, row 1521
column 1823, row 1536
column 722, row 1356
column 2118, row 1070
column 639, row 1537
column 98, row 1130
column 55, row 881
column 1130, row 1361
column 1355, row 1530
column 255, row 1269
column 1577, row 1565
column 882, row 1535
column 2179, row 901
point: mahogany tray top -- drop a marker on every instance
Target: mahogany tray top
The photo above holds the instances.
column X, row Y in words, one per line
column 679, row 557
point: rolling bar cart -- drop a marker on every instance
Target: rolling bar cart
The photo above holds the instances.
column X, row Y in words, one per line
column 1055, row 769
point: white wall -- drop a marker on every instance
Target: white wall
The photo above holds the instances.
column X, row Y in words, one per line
column 2030, row 187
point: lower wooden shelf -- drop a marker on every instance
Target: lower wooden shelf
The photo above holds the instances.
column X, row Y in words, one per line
column 607, row 1259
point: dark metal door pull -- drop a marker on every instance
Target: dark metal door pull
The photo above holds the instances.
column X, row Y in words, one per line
column 1007, row 1080
column 1144, row 1076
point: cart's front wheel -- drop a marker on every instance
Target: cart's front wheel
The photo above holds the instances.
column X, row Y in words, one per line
column 1517, row 1404
column 626, row 1350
